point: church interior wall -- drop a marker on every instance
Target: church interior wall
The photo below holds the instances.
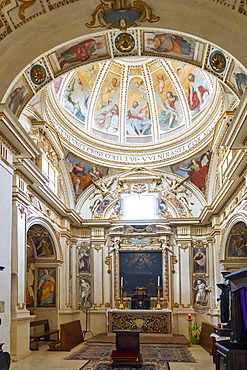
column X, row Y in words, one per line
column 81, row 249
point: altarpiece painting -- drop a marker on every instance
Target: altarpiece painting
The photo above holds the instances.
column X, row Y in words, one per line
column 140, row 269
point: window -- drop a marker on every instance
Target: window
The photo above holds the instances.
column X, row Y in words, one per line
column 139, row 207
column 50, row 172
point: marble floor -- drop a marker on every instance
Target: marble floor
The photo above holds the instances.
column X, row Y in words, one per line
column 44, row 359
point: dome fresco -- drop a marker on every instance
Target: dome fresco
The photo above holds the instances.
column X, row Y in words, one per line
column 138, row 100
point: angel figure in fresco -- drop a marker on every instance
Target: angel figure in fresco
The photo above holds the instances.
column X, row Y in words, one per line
column 196, row 94
column 161, row 78
column 170, row 114
column 112, row 86
column 167, row 43
column 79, row 177
column 79, row 52
column 46, row 288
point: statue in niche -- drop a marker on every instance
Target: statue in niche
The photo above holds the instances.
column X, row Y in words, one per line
column 201, row 293
column 84, row 291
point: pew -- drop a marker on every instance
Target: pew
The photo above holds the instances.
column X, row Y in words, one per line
column 45, row 333
column 70, row 336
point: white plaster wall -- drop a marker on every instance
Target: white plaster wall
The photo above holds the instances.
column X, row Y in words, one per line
column 5, row 250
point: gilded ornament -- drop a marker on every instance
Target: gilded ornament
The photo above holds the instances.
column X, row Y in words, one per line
column 125, row 42
column 121, row 14
column 38, row 74
column 218, row 61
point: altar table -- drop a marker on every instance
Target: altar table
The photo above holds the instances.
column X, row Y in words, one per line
column 148, row 321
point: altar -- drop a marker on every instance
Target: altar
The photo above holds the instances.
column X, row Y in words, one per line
column 148, row 321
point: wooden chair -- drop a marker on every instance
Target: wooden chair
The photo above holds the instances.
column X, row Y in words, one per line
column 127, row 350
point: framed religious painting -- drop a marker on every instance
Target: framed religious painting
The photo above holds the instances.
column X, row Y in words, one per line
column 83, row 260
column 236, row 246
column 46, row 286
column 200, row 260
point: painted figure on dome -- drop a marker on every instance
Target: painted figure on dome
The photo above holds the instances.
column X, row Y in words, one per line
column 167, row 43
column 79, row 52
column 46, row 288
column 107, row 117
column 137, row 121
column 171, row 112
column 79, row 177
column 95, row 173
column 241, row 81
column 16, row 98
column 197, row 94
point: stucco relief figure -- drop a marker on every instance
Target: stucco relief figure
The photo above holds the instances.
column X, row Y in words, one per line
column 46, row 288
column 84, row 292
column 167, row 43
column 30, row 285
column 79, row 177
column 199, row 260
column 79, row 52
column 137, row 121
column 201, row 292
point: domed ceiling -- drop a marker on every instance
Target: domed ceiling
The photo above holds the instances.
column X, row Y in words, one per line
column 136, row 101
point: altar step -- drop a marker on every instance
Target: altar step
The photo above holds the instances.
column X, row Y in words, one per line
column 161, row 339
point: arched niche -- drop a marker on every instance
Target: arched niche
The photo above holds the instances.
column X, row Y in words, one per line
column 233, row 250
column 43, row 255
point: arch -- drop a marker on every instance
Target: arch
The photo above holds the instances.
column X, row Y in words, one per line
column 53, row 233
column 240, row 217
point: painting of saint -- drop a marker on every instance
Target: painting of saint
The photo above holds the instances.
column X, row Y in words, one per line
column 41, row 241
column 196, row 170
column 46, row 290
column 237, row 241
column 18, row 96
column 106, row 116
column 197, row 95
column 81, row 52
column 137, row 120
column 84, row 260
column 78, row 91
column 140, row 269
column 84, row 291
column 80, row 179
column 167, row 43
column 84, row 173
column 238, row 79
column 199, row 260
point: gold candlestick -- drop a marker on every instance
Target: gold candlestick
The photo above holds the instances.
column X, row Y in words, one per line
column 121, row 306
column 158, row 306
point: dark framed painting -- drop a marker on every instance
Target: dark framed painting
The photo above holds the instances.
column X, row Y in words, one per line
column 83, row 260
column 84, row 291
column 46, row 286
column 140, row 269
column 199, row 260
column 237, row 241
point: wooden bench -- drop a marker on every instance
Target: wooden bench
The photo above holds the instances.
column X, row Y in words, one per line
column 45, row 334
column 70, row 336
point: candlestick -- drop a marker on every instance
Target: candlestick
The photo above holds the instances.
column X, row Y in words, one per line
column 121, row 282
column 158, row 281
